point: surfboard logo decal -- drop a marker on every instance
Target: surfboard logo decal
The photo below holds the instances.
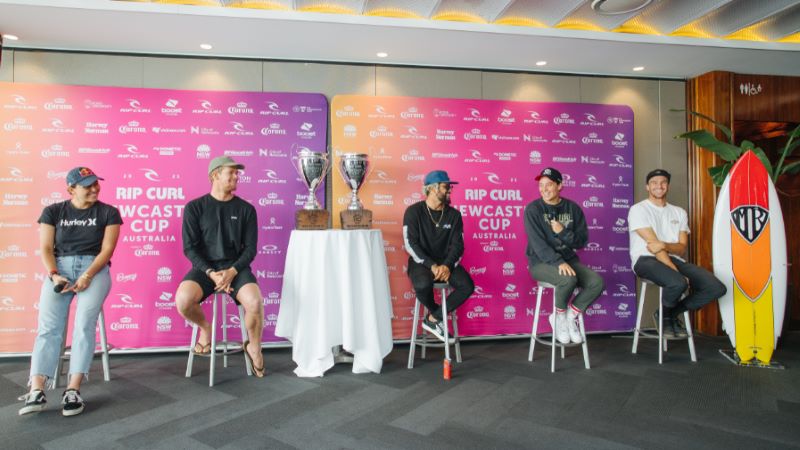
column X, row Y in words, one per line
column 750, row 221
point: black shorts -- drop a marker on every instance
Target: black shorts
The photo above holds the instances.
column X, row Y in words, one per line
column 207, row 285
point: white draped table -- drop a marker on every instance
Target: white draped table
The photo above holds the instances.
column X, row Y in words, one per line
column 336, row 292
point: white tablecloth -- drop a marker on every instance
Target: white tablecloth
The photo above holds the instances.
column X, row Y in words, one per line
column 336, row 292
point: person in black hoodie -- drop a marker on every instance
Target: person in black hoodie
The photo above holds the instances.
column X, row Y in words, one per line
column 433, row 236
column 556, row 227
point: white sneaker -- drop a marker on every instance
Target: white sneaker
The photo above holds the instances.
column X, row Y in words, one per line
column 574, row 329
column 560, row 327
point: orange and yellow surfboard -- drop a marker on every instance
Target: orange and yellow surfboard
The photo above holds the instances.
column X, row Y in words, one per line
column 749, row 249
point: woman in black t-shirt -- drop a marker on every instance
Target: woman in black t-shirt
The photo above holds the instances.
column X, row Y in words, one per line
column 77, row 238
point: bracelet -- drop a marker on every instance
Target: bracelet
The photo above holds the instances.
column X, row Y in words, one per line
column 86, row 275
column 52, row 273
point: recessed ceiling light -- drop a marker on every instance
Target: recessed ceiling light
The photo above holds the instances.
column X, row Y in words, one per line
column 638, row 68
column 11, row 37
column 618, row 7
column 541, row 63
column 206, row 46
column 381, row 54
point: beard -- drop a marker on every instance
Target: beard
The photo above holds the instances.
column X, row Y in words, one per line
column 444, row 198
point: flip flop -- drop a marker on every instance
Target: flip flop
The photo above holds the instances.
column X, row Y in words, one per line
column 257, row 371
column 202, row 349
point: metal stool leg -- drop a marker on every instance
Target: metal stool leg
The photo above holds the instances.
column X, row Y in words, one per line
column 639, row 311
column 457, row 345
column 535, row 327
column 213, row 354
column 691, row 335
column 104, row 346
column 195, row 329
column 585, row 344
column 553, row 338
column 660, row 328
column 224, row 322
column 245, row 337
column 424, row 352
column 444, row 322
column 412, row 347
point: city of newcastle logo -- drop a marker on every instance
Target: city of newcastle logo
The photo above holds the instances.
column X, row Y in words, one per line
column 750, row 221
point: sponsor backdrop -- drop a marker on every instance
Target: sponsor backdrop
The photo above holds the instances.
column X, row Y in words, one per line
column 152, row 146
column 495, row 149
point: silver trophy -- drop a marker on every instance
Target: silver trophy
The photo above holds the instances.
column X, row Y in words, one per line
column 354, row 168
column 312, row 167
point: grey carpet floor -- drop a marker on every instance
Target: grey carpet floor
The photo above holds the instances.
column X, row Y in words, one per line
column 496, row 399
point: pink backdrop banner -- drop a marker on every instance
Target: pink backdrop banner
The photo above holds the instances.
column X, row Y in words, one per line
column 495, row 149
column 153, row 147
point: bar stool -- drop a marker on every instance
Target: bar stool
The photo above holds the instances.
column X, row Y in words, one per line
column 443, row 287
column 103, row 350
column 662, row 343
column 224, row 343
column 552, row 342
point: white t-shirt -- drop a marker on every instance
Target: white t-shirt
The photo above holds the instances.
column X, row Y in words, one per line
column 666, row 221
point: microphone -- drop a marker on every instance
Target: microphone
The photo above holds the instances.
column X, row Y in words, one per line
column 60, row 287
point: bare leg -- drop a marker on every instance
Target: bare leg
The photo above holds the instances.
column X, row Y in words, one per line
column 75, row 381
column 187, row 299
column 249, row 296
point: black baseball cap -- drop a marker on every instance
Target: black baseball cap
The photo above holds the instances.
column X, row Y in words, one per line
column 658, row 173
column 552, row 174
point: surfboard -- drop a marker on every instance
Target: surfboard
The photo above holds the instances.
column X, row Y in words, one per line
column 749, row 251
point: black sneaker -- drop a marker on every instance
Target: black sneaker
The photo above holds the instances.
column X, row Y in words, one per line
column 435, row 328
column 72, row 401
column 35, row 401
column 669, row 329
column 679, row 329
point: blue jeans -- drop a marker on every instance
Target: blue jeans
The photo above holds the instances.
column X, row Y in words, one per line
column 53, row 315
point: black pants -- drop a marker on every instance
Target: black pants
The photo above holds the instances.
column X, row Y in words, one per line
column 422, row 279
column 705, row 287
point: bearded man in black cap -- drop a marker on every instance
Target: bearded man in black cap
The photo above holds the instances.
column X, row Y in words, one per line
column 433, row 236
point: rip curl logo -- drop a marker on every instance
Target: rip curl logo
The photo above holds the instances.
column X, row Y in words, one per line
column 492, row 177
column 750, row 221
column 151, row 174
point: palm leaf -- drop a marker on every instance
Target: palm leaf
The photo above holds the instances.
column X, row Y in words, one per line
column 764, row 159
column 727, row 131
column 718, row 173
column 706, row 140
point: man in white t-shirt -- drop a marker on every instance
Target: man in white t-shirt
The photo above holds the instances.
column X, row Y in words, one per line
column 659, row 235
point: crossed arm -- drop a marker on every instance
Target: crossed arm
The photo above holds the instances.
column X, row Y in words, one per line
column 662, row 250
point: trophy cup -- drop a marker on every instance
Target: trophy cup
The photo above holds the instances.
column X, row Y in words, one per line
column 312, row 168
column 354, row 168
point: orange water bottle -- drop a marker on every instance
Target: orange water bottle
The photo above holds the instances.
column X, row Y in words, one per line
column 446, row 371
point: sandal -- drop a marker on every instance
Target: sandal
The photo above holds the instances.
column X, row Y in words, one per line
column 202, row 349
column 257, row 371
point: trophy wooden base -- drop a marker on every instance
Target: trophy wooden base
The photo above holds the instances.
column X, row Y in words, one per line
column 311, row 219
column 356, row 219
